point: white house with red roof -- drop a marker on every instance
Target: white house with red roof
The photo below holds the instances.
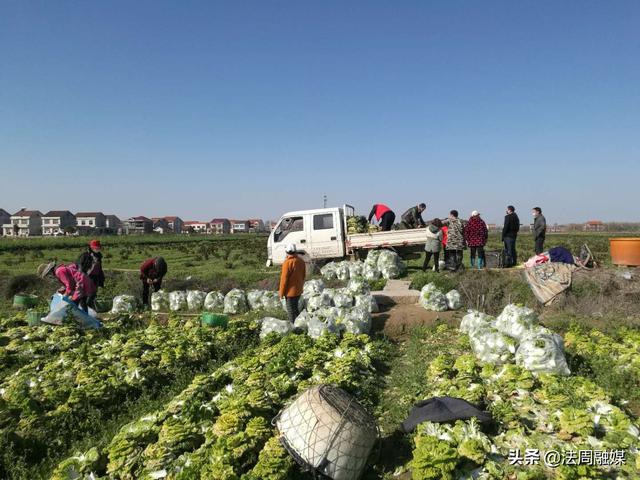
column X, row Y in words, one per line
column 220, row 226
column 57, row 222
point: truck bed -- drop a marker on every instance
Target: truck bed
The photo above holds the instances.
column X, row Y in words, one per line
column 392, row 238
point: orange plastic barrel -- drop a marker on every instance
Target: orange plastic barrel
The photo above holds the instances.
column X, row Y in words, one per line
column 625, row 251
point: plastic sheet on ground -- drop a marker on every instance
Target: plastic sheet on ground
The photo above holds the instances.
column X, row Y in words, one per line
column 318, row 327
column 515, row 321
column 214, row 302
column 274, row 325
column 490, row 345
column 390, row 264
column 254, row 299
column 195, row 300
column 543, row 353
column 124, row 304
column 367, row 301
column 431, row 298
column 475, row 320
column 235, row 302
column 160, row 301
column 178, row 301
column 454, row 301
column 63, row 309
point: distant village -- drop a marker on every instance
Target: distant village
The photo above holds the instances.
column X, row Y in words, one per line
column 33, row 223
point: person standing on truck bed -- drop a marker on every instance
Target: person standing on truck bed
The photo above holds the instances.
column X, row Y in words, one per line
column 152, row 271
column 384, row 215
column 510, row 235
column 539, row 229
column 412, row 218
column 292, row 281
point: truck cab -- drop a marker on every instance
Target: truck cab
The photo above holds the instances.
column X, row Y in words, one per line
column 319, row 233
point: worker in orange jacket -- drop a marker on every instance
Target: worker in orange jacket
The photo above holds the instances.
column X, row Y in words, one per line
column 292, row 281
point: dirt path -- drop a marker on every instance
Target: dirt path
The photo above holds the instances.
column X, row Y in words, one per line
column 396, row 321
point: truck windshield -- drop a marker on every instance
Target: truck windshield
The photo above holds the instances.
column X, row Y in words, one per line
column 287, row 226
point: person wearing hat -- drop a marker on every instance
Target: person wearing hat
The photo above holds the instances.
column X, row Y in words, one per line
column 476, row 235
column 292, row 281
column 75, row 284
column 152, row 271
column 90, row 263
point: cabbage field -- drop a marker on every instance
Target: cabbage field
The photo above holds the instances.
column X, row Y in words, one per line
column 158, row 395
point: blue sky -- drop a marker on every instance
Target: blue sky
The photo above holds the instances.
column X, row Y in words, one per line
column 249, row 109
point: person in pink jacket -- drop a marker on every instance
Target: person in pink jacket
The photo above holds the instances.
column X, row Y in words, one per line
column 75, row 284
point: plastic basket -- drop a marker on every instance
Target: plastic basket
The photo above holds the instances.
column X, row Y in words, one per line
column 214, row 320
column 25, row 301
column 34, row 316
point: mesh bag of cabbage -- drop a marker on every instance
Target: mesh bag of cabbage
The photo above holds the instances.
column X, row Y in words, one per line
column 328, row 432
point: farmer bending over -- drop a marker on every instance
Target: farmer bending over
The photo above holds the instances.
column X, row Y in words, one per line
column 75, row 284
column 292, row 281
column 152, row 271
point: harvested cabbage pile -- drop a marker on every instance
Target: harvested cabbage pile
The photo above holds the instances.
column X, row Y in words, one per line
column 543, row 353
column 177, row 301
column 312, row 287
column 474, row 320
column 454, row 301
column 124, row 304
column 235, row 302
column 515, row 331
column 357, row 224
column 254, row 299
column 491, row 346
column 368, row 302
column 390, row 264
column 274, row 325
column 214, row 302
column 515, row 321
column 195, row 300
column 431, row 298
column 271, row 301
column 160, row 301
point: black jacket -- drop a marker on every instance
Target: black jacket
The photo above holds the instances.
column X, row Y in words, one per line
column 413, row 218
column 511, row 226
column 90, row 263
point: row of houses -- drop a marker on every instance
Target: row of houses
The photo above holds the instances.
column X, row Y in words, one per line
column 29, row 223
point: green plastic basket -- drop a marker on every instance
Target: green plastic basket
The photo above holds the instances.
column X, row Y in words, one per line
column 34, row 316
column 24, row 301
column 214, row 320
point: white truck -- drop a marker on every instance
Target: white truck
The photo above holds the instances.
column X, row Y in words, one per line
column 322, row 235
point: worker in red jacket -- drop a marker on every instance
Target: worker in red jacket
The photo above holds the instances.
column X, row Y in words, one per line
column 384, row 215
column 152, row 271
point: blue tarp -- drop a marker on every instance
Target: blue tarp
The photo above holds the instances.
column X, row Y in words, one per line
column 62, row 306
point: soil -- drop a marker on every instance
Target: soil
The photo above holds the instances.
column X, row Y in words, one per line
column 398, row 320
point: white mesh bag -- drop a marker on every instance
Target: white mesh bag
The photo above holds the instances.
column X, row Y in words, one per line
column 177, row 300
column 195, row 300
column 159, row 301
column 328, row 432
